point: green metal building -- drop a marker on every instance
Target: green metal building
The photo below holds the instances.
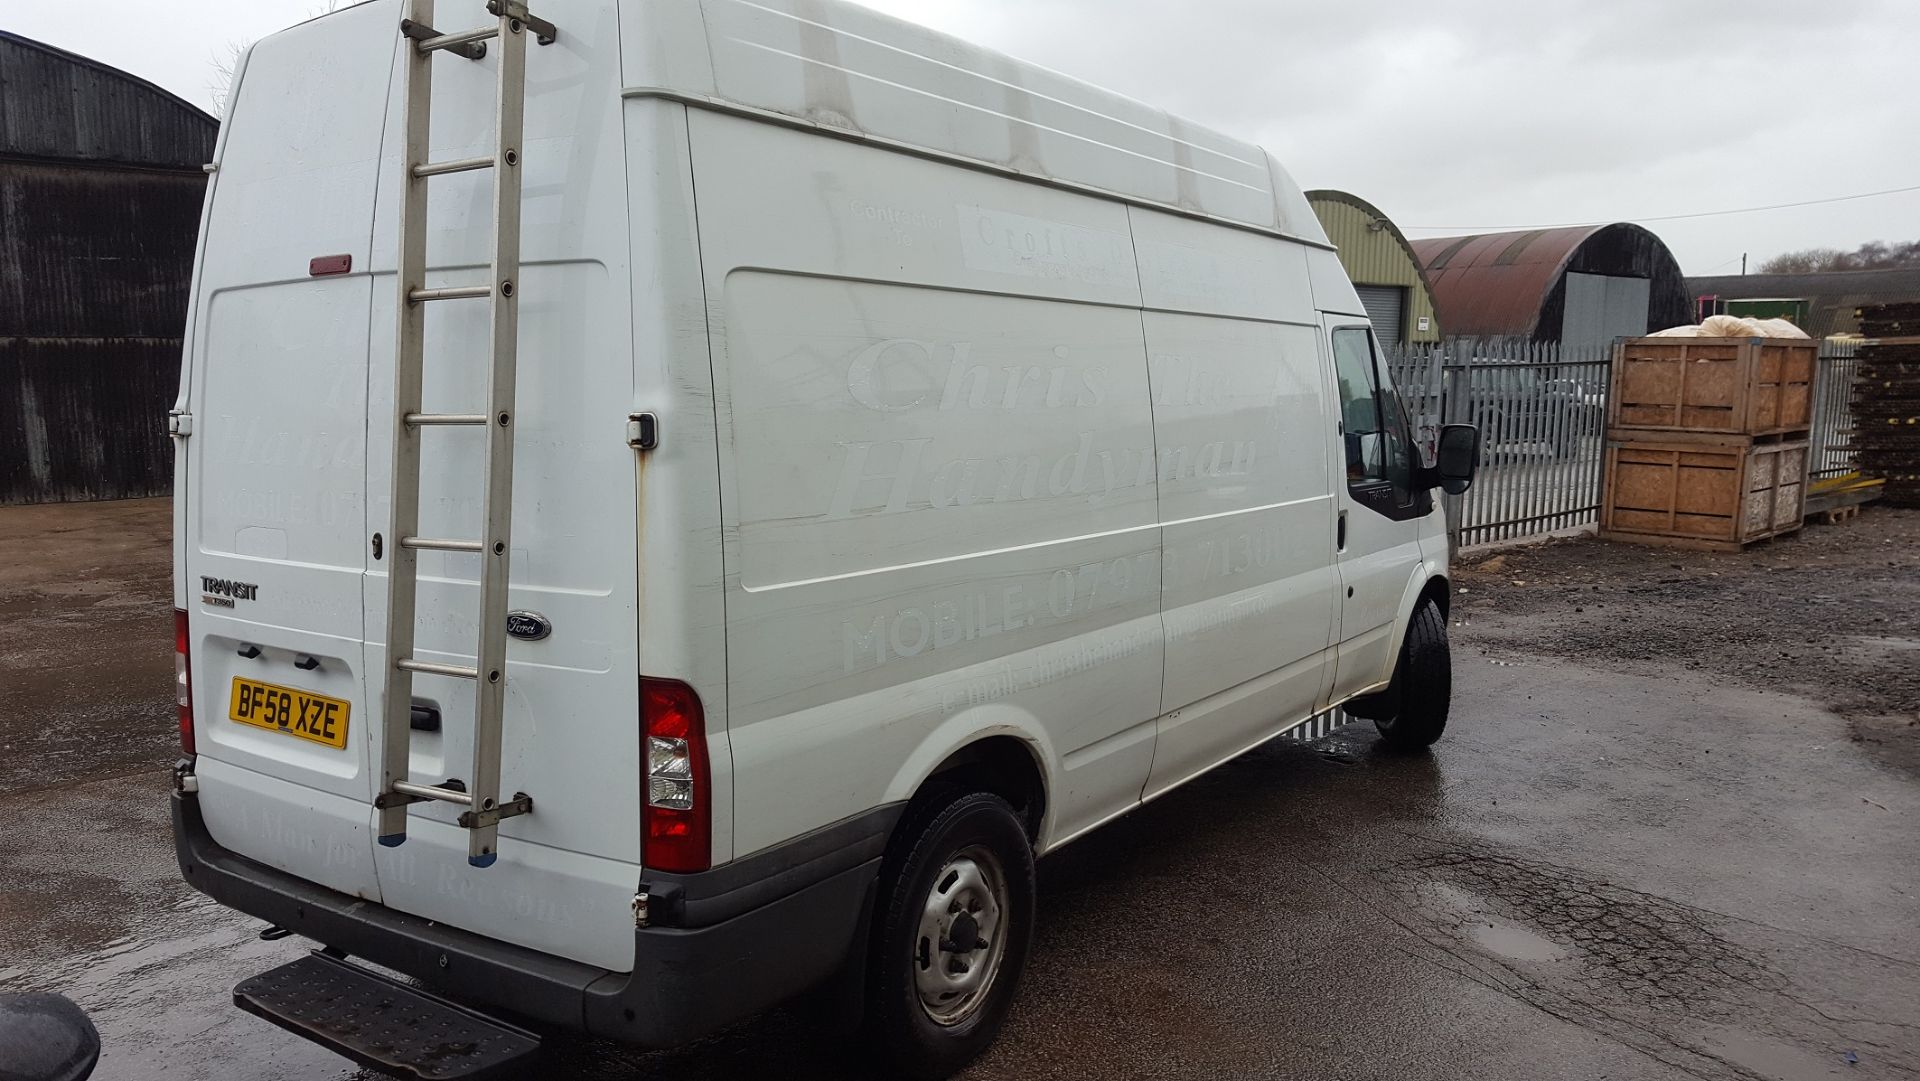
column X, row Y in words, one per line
column 1382, row 265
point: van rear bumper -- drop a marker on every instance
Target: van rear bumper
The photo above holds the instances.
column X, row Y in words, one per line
column 746, row 936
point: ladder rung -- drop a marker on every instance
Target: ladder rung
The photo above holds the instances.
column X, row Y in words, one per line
column 421, row 420
column 454, row 292
column 421, row 33
column 454, row 40
column 438, row 545
column 427, row 791
column 460, row 165
column 459, row 671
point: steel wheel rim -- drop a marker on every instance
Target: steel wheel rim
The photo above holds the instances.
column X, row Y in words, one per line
column 953, row 984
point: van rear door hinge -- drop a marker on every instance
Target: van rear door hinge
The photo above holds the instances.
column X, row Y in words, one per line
column 640, row 916
column 179, row 423
column 643, row 431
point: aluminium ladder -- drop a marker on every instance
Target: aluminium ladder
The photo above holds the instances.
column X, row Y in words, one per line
column 480, row 792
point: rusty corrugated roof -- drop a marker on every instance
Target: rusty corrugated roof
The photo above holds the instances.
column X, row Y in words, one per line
column 1496, row 283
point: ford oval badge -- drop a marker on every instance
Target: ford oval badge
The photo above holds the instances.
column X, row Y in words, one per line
column 528, row 626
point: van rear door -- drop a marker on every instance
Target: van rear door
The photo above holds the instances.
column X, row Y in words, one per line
column 274, row 532
column 566, row 875
column 290, row 480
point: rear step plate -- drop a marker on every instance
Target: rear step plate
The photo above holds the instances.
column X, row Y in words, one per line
column 381, row 1022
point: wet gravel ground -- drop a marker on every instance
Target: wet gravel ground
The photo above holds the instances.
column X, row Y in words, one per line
column 1832, row 612
column 1625, row 861
column 86, row 640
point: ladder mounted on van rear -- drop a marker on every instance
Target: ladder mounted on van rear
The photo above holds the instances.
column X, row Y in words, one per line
column 481, row 794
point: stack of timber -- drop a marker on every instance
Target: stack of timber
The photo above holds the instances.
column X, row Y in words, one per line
column 1707, row 440
column 1886, row 401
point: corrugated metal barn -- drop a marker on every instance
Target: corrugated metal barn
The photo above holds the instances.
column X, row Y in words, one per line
column 1382, row 265
column 1581, row 286
column 100, row 194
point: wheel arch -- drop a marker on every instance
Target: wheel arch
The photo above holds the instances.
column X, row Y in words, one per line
column 1002, row 751
column 1385, row 702
column 1437, row 589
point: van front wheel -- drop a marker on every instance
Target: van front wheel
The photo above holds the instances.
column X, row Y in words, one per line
column 1426, row 684
column 952, row 935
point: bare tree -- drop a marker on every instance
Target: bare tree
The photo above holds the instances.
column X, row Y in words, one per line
column 1873, row 255
column 226, row 64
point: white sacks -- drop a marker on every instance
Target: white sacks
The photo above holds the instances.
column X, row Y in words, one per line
column 1734, row 326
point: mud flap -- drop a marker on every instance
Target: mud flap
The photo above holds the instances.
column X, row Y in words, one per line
column 1378, row 706
column 383, row 1023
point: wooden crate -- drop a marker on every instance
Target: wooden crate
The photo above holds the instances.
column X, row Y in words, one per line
column 1732, row 386
column 1694, row 491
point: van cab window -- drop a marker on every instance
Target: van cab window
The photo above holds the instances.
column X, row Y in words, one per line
column 1359, row 406
column 1378, row 444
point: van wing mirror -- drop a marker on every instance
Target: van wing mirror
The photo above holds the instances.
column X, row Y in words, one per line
column 1457, row 457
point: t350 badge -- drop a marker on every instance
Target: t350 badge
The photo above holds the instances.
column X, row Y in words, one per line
column 528, row 626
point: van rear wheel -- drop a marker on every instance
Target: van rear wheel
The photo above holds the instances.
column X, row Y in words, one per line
column 1425, row 682
column 952, row 934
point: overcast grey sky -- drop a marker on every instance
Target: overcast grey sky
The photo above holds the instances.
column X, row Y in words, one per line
column 1451, row 117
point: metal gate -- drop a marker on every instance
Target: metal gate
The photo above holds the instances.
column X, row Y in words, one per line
column 1831, row 451
column 1541, row 411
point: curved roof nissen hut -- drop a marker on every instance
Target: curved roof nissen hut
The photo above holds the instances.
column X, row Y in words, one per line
column 1383, row 267
column 100, row 192
column 1579, row 286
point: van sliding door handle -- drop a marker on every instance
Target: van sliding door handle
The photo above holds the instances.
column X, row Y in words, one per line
column 1340, row 533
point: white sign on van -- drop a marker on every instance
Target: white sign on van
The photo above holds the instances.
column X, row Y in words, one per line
column 1003, row 242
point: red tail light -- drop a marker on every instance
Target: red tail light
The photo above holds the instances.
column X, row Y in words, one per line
column 676, row 817
column 182, row 680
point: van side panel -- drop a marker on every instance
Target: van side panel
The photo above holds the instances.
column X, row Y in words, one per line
column 1333, row 291
column 937, row 476
column 1246, row 497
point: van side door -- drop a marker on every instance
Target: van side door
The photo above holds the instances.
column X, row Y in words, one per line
column 1377, row 527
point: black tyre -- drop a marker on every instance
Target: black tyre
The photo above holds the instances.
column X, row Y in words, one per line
column 952, row 927
column 1425, row 683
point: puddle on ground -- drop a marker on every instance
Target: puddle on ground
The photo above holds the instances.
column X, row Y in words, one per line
column 1619, row 944
column 1515, row 943
column 1500, row 937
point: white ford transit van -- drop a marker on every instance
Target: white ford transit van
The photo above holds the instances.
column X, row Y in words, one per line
column 817, row 466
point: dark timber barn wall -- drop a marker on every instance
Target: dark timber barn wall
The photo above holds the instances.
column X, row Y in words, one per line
column 100, row 194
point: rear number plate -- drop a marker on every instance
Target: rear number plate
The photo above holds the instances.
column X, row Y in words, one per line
column 282, row 709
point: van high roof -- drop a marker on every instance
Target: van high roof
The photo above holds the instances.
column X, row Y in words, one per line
column 843, row 69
